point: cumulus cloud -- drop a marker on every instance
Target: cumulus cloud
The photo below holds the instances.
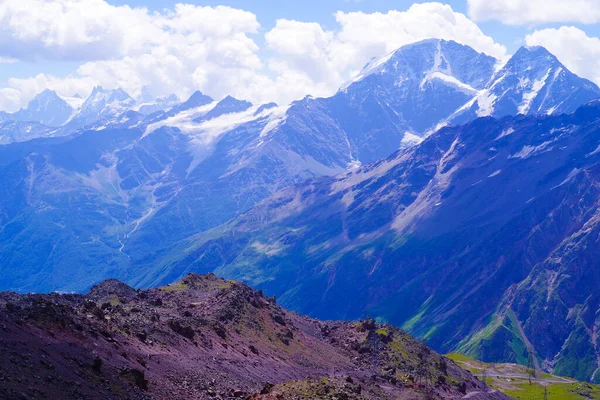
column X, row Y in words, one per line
column 575, row 49
column 324, row 59
column 213, row 49
column 95, row 30
column 526, row 12
column 173, row 51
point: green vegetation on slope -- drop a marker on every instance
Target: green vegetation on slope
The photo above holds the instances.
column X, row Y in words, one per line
column 513, row 380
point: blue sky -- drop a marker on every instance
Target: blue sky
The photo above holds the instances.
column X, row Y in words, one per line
column 69, row 56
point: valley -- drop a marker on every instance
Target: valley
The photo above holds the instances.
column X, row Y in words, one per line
column 441, row 190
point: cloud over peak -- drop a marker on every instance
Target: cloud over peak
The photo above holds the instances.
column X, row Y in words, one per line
column 214, row 49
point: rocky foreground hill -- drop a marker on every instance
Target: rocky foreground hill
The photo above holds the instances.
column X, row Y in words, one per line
column 207, row 338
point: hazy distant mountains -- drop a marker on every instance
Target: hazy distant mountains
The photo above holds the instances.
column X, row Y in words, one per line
column 453, row 236
column 393, row 102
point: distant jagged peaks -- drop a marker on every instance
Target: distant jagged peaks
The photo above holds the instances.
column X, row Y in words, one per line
column 265, row 107
column 228, row 105
column 101, row 95
column 197, row 99
column 532, row 82
column 404, row 95
column 159, row 104
column 102, row 104
column 46, row 108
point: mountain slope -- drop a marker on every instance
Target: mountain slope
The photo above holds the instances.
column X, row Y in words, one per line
column 142, row 184
column 480, row 232
column 47, row 108
column 533, row 82
column 160, row 104
column 102, row 104
column 205, row 337
column 12, row 131
column 398, row 98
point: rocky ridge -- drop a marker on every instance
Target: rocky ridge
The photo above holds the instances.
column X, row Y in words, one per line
column 208, row 338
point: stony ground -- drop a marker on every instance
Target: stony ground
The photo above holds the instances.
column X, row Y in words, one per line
column 207, row 338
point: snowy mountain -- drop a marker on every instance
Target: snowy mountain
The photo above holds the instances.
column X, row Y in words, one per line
column 422, row 83
column 533, row 82
column 175, row 173
column 228, row 105
column 47, row 108
column 101, row 105
column 12, row 131
column 305, row 200
column 197, row 99
column 160, row 104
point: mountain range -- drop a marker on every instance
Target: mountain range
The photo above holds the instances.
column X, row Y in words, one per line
column 440, row 190
column 480, row 239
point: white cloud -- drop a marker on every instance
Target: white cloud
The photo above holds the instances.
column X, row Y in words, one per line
column 95, row 30
column 525, row 12
column 324, row 59
column 213, row 49
column 577, row 51
column 8, row 98
column 174, row 51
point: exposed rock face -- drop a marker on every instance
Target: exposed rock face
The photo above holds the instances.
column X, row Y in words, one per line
column 204, row 337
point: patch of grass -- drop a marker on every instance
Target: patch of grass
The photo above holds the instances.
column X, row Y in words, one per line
column 556, row 391
column 383, row 332
column 459, row 357
column 512, row 380
column 175, row 287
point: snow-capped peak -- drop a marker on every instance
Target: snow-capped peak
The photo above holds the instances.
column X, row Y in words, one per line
column 102, row 104
column 47, row 108
column 158, row 104
column 533, row 81
column 428, row 60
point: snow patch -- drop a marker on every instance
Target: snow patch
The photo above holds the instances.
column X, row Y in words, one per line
column 486, row 103
column 183, row 120
column 528, row 151
column 451, row 80
column 569, row 177
column 486, row 99
column 205, row 135
column 411, row 139
column 530, row 96
column 354, row 165
column 506, row 132
column 594, row 152
column 276, row 117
